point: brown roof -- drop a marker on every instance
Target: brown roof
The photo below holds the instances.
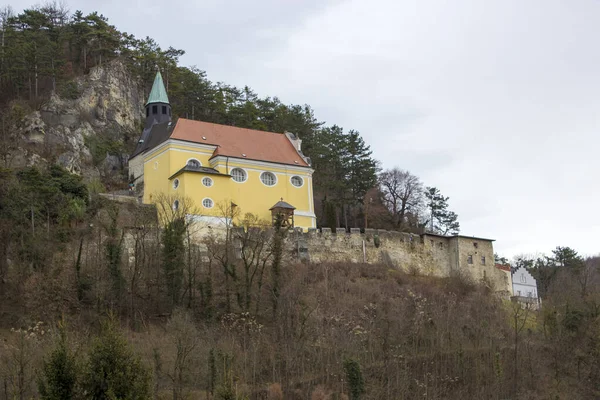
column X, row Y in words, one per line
column 239, row 142
column 503, row 267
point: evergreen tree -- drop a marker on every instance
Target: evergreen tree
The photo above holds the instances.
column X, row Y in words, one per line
column 441, row 220
column 113, row 370
column 173, row 257
column 59, row 373
column 356, row 384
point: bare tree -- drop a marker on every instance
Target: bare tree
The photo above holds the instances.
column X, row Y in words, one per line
column 519, row 314
column 256, row 252
column 221, row 250
column 185, row 338
column 402, row 194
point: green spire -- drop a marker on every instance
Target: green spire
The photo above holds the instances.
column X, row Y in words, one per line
column 158, row 94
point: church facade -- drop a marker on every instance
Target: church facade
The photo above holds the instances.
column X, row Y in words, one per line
column 218, row 167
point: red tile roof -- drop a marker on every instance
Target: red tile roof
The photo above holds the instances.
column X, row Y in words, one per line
column 239, row 142
column 503, row 267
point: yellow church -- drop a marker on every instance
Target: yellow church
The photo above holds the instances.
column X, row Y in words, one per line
column 217, row 165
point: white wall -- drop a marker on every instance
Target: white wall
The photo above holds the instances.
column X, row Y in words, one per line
column 524, row 284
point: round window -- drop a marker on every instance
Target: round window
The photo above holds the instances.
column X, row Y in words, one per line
column 297, row 181
column 192, row 162
column 268, row 178
column 239, row 175
column 176, row 205
column 207, row 203
column 206, row 181
column 175, row 183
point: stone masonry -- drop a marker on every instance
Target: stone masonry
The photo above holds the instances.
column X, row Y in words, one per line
column 425, row 254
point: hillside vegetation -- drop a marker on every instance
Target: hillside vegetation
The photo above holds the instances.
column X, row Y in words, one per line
column 91, row 288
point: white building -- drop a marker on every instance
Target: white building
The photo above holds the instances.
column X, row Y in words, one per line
column 525, row 287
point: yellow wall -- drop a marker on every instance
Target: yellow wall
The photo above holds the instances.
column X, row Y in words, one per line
column 251, row 196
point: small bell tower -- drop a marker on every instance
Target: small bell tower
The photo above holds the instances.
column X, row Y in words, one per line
column 158, row 108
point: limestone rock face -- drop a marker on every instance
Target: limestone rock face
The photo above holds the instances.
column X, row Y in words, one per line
column 90, row 133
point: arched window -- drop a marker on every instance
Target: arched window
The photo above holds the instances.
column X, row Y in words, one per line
column 176, row 205
column 207, row 203
column 175, row 183
column 206, row 181
column 268, row 178
column 239, row 175
column 192, row 162
column 297, row 181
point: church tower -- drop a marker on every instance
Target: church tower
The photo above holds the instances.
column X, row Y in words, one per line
column 158, row 108
column 158, row 111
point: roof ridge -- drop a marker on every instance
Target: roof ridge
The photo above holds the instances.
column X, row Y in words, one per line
column 231, row 126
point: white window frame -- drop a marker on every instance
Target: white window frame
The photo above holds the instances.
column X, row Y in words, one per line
column 211, row 202
column 212, row 182
column 192, row 159
column 245, row 175
column 292, row 181
column 176, row 205
column 268, row 172
column 176, row 183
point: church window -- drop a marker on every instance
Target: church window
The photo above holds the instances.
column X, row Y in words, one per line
column 469, row 259
column 483, row 260
column 207, row 203
column 238, row 175
column 176, row 205
column 192, row 162
column 175, row 183
column 206, row 181
column 523, row 279
column 297, row 181
column 147, row 111
column 154, row 110
column 164, row 110
column 268, row 178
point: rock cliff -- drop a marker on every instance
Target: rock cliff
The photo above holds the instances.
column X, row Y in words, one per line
column 89, row 127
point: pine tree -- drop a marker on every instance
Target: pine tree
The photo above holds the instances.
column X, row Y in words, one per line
column 59, row 373
column 441, row 220
column 113, row 370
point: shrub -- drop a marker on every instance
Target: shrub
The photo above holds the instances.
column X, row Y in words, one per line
column 275, row 392
column 69, row 90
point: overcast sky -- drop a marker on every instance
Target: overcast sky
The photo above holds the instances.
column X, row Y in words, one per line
column 495, row 102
